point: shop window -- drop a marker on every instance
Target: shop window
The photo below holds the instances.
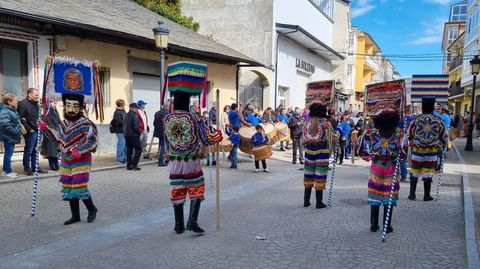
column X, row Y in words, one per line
column 105, row 85
column 13, row 67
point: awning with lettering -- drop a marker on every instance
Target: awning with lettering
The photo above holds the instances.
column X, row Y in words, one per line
column 308, row 41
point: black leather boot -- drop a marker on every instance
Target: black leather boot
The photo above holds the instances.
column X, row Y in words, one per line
column 389, row 224
column 306, row 197
column 374, row 213
column 92, row 210
column 319, row 196
column 427, row 185
column 75, row 209
column 179, row 222
column 192, row 224
column 413, row 188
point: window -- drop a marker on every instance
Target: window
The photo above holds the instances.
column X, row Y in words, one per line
column 282, row 95
column 13, row 67
column 458, row 12
column 351, row 43
column 452, row 34
column 105, row 85
column 472, row 26
column 325, row 6
column 350, row 76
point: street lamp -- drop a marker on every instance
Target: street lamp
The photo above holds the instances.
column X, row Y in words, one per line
column 338, row 87
column 475, row 63
column 160, row 33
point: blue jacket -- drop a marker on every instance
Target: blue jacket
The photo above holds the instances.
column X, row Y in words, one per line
column 253, row 120
column 235, row 139
column 258, row 139
column 283, row 118
column 10, row 129
column 344, row 129
column 445, row 118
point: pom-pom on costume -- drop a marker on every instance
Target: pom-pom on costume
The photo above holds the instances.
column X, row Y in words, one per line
column 75, row 83
column 186, row 134
column 427, row 137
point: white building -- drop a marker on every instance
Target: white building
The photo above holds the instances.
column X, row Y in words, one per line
column 293, row 39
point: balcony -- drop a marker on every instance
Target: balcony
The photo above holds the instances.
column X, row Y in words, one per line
column 455, row 89
column 372, row 64
column 456, row 62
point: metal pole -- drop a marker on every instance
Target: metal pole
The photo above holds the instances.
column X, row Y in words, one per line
column 469, row 146
column 218, row 166
column 162, row 73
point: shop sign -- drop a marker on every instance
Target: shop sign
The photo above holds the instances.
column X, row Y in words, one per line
column 304, row 66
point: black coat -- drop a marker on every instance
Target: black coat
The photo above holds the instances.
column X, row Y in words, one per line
column 130, row 124
column 296, row 130
column 158, row 123
column 51, row 148
column 117, row 121
column 28, row 112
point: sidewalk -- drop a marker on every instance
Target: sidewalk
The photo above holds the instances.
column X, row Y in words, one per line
column 472, row 163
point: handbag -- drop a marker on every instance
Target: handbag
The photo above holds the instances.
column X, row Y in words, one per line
column 23, row 131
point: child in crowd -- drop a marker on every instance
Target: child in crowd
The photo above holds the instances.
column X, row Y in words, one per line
column 259, row 139
column 234, row 137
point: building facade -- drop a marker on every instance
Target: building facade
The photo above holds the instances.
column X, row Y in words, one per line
column 124, row 47
column 294, row 44
column 452, row 29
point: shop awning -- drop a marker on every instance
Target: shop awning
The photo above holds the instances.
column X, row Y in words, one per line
column 308, row 41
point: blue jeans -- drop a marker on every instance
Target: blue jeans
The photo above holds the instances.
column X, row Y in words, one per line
column 7, row 158
column 234, row 157
column 121, row 148
column 348, row 147
column 163, row 147
column 53, row 163
column 403, row 169
column 30, row 152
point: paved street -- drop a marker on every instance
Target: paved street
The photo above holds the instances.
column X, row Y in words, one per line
column 134, row 228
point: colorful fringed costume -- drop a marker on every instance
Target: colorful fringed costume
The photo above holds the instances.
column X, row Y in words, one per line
column 317, row 153
column 383, row 154
column 80, row 137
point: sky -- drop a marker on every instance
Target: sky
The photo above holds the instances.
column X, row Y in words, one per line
column 402, row 27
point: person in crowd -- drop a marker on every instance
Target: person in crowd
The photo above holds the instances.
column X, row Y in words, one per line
column 427, row 138
column 318, row 137
column 51, row 147
column 195, row 108
column 295, row 124
column 132, row 133
column 385, row 146
column 248, row 109
column 117, row 124
column 144, row 128
column 235, row 117
column 28, row 110
column 212, row 114
column 224, row 117
column 344, row 130
column 78, row 138
column 259, row 139
column 234, row 137
column 159, row 132
column 10, row 131
column 267, row 116
column 282, row 117
column 466, row 122
column 253, row 119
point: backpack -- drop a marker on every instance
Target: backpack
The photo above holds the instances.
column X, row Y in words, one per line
column 111, row 126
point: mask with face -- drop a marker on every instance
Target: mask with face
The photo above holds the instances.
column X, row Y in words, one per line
column 72, row 106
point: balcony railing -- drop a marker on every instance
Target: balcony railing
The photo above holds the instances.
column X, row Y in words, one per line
column 456, row 89
column 456, row 62
column 372, row 63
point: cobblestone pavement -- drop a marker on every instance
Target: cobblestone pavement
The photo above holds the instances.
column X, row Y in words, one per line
column 134, row 228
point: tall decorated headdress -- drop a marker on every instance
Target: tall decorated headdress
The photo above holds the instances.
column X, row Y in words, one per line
column 320, row 92
column 65, row 76
column 385, row 97
column 430, row 86
column 187, row 77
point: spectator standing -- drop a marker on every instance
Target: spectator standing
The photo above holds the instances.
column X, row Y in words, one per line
column 10, row 130
column 195, row 108
column 144, row 128
column 51, row 147
column 224, row 117
column 282, row 117
column 159, row 132
column 132, row 134
column 28, row 110
column 295, row 124
column 117, row 123
column 212, row 114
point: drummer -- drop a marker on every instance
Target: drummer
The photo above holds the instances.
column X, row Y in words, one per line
column 259, row 139
column 253, row 119
column 235, row 116
column 283, row 118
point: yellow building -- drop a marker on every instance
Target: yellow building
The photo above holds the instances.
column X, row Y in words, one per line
column 120, row 37
column 368, row 64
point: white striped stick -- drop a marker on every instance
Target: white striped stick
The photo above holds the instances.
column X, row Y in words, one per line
column 392, row 189
column 442, row 162
column 332, row 177
column 37, row 164
column 210, row 160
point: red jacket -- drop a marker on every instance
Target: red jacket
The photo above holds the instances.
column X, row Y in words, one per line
column 141, row 126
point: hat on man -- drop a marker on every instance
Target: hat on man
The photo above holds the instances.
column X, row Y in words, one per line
column 133, row 105
column 141, row 103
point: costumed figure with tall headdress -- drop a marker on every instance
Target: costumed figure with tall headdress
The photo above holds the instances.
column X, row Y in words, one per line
column 382, row 145
column 318, row 133
column 186, row 135
column 75, row 83
column 427, row 138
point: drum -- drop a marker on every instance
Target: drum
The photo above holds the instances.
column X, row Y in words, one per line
column 270, row 132
column 283, row 133
column 226, row 145
column 245, row 134
column 354, row 136
column 262, row 152
column 213, row 149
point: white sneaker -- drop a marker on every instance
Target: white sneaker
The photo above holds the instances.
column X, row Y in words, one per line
column 257, row 170
column 11, row 175
column 266, row 170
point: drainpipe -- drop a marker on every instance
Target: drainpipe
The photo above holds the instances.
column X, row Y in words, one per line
column 276, row 70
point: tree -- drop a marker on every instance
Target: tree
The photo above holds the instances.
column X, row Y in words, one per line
column 170, row 9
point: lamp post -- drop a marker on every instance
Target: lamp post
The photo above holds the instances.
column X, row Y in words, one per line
column 338, row 87
column 475, row 63
column 160, row 33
